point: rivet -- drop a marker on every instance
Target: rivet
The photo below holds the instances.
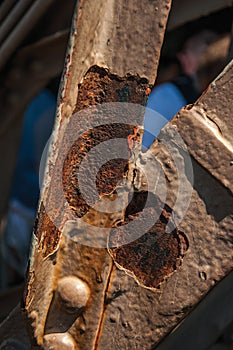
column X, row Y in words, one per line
column 73, row 292
column 59, row 341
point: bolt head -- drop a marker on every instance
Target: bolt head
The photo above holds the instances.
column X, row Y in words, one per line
column 59, row 341
column 73, row 292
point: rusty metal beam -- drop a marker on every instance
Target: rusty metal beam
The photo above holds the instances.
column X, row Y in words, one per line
column 205, row 128
column 106, row 34
column 207, row 225
column 129, row 297
column 110, row 45
column 121, row 297
column 209, row 128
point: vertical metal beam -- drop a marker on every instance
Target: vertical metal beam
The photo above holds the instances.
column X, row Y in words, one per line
column 112, row 42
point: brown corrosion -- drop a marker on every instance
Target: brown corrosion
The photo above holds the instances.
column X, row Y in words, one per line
column 98, row 87
column 156, row 254
column 46, row 232
column 106, row 177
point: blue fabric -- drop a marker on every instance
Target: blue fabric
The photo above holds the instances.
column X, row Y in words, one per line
column 153, row 123
column 37, row 127
column 165, row 99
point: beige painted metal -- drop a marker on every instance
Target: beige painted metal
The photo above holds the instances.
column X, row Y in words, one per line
column 207, row 128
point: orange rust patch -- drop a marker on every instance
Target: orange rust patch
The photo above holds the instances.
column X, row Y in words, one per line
column 100, row 86
column 46, row 232
column 132, row 138
column 106, row 177
column 148, row 91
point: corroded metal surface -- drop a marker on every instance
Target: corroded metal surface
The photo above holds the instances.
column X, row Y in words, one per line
column 106, row 44
column 98, row 41
column 210, row 321
column 209, row 128
column 83, row 297
column 155, row 255
column 100, row 87
column 207, row 224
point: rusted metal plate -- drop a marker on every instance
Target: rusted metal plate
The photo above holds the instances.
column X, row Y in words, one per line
column 136, row 316
column 207, row 128
column 111, row 58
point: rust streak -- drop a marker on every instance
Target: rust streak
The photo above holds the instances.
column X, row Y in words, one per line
column 101, row 322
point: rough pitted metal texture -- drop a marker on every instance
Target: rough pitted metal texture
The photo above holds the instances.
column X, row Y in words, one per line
column 118, row 39
column 121, row 308
column 208, row 260
column 98, row 87
column 103, row 35
column 208, row 225
column 208, row 130
column 156, row 254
